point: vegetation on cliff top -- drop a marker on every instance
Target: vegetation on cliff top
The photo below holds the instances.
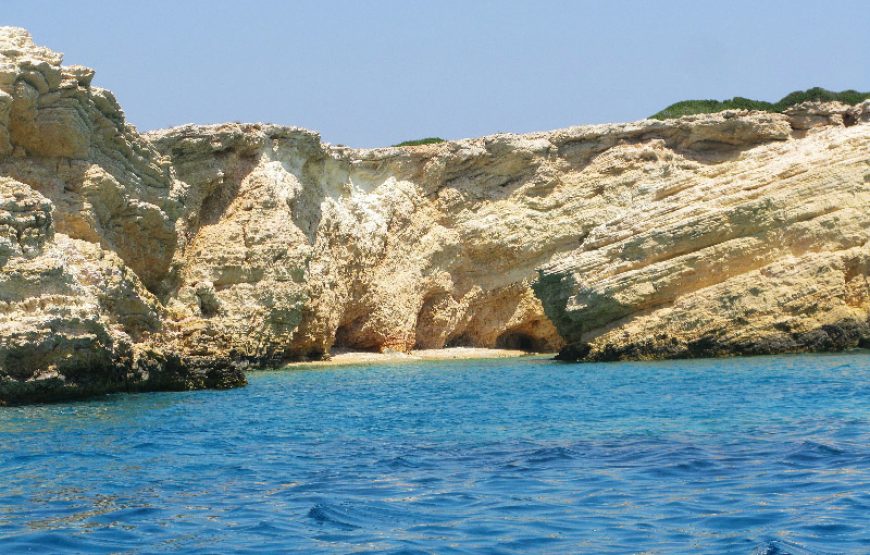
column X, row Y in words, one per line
column 689, row 107
column 425, row 141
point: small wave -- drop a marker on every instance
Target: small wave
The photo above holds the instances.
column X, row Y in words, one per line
column 399, row 463
column 831, row 528
column 812, row 451
column 146, row 445
column 264, row 527
column 550, row 454
column 695, row 465
column 48, row 542
column 126, row 515
column 353, row 516
column 823, row 449
column 333, row 516
column 781, row 547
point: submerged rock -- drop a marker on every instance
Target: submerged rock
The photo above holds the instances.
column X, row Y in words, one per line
column 168, row 260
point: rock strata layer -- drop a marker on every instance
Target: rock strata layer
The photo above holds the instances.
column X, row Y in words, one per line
column 171, row 259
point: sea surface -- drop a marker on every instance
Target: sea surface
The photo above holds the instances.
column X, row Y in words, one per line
column 766, row 455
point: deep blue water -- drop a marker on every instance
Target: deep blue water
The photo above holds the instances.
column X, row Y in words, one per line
column 755, row 455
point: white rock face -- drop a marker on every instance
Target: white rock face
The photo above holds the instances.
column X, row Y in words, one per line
column 122, row 255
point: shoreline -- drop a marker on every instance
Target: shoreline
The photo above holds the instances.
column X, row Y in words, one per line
column 349, row 358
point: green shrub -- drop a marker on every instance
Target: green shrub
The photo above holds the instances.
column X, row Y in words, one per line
column 689, row 107
column 426, row 141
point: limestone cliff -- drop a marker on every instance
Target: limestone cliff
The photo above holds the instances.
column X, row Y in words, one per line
column 87, row 235
column 731, row 249
column 167, row 259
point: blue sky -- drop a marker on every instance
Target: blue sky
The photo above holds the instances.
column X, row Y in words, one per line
column 379, row 72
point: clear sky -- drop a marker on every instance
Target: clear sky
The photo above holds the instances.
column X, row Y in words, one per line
column 379, row 72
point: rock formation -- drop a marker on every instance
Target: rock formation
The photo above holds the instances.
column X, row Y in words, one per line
column 87, row 235
column 168, row 259
column 743, row 244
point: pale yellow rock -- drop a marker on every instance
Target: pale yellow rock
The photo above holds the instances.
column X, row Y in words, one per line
column 762, row 253
column 438, row 245
column 87, row 227
column 728, row 233
column 66, row 306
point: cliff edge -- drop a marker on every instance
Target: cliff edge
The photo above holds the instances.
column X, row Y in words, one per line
column 171, row 259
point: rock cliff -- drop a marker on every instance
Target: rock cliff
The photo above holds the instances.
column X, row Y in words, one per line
column 169, row 259
column 740, row 249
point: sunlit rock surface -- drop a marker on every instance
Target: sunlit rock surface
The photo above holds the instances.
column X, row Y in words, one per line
column 171, row 259
column 744, row 247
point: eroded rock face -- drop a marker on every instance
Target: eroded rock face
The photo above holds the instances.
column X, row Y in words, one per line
column 87, row 234
column 167, row 259
column 763, row 253
column 295, row 247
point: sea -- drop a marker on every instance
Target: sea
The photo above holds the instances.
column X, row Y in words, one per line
column 759, row 455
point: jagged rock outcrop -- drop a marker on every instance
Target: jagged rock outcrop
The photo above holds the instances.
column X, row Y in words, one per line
column 167, row 259
column 765, row 251
column 87, row 233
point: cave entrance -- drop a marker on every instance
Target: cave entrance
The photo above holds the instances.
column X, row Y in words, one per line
column 342, row 337
column 520, row 341
column 462, row 340
column 347, row 339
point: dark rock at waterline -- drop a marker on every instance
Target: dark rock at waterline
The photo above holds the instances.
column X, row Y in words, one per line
column 151, row 372
column 845, row 335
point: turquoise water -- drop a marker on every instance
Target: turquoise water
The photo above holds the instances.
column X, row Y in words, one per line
column 754, row 455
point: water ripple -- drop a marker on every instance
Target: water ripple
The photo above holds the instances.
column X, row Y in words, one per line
column 766, row 455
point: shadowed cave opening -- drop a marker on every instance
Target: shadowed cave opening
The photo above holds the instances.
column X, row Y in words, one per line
column 462, row 340
column 345, row 339
column 520, row 341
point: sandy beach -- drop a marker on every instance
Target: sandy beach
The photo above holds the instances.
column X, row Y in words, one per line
column 342, row 358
